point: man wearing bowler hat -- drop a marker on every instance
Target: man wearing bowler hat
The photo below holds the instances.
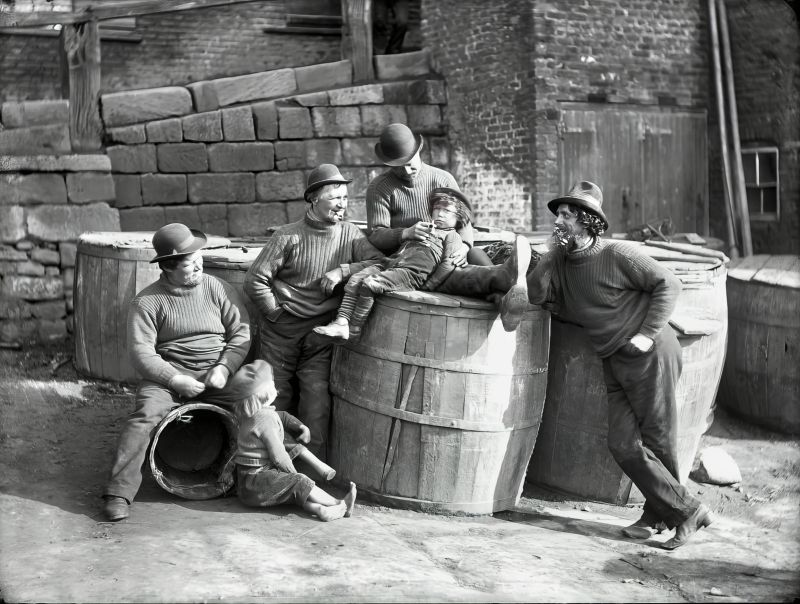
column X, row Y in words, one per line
column 294, row 283
column 186, row 337
column 397, row 211
column 623, row 299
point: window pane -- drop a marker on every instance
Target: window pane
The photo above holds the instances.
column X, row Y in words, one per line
column 749, row 163
column 754, row 201
column 770, row 197
column 767, row 168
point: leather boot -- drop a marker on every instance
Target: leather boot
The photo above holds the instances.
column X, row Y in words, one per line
column 701, row 518
column 515, row 301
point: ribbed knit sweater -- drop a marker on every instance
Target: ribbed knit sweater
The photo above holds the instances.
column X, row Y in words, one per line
column 393, row 205
column 173, row 327
column 260, row 437
column 611, row 288
column 287, row 273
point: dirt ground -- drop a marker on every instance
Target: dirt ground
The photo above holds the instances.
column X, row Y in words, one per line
column 58, row 430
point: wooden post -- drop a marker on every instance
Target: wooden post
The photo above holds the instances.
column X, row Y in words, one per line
column 738, row 172
column 80, row 43
column 357, row 37
column 733, row 252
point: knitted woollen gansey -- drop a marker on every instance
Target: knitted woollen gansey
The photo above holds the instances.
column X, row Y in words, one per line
column 613, row 290
column 393, row 204
column 174, row 327
column 288, row 272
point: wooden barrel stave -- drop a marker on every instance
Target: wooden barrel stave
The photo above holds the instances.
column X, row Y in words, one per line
column 419, row 419
column 761, row 381
column 571, row 453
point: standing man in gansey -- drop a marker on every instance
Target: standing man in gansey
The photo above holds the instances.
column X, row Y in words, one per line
column 186, row 338
column 292, row 284
column 397, row 211
column 624, row 299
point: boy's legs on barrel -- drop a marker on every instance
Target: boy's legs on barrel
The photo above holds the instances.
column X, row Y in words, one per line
column 153, row 402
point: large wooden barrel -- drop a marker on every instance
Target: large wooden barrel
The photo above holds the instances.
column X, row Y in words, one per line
column 437, row 408
column 761, row 379
column 230, row 265
column 571, row 453
column 110, row 269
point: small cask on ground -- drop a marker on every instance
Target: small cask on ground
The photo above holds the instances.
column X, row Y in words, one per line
column 437, row 408
column 111, row 268
column 571, row 453
column 761, row 379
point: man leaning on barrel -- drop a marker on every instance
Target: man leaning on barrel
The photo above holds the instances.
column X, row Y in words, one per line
column 623, row 299
column 296, row 284
column 186, row 337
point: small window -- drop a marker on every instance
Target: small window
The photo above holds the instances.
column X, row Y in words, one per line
column 761, row 181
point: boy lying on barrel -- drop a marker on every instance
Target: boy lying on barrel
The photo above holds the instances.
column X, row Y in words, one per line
column 416, row 265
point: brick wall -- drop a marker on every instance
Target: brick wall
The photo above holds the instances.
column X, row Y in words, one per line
column 510, row 67
column 176, row 48
column 765, row 46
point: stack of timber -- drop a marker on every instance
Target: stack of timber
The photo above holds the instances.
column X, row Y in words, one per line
column 437, row 408
column 571, row 453
column 761, row 380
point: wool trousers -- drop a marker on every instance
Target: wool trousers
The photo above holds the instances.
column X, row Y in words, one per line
column 643, row 425
column 299, row 356
column 153, row 402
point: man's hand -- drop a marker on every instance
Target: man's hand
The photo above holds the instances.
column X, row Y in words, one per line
column 330, row 280
column 186, row 386
column 641, row 342
column 418, row 232
column 217, row 377
column 304, row 436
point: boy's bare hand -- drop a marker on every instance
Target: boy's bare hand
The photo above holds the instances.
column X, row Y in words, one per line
column 330, row 280
column 304, row 436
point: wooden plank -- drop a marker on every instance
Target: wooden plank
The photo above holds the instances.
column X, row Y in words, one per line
column 743, row 269
column 120, row 8
column 126, row 284
column 109, row 317
column 782, row 270
column 81, row 49
column 357, row 38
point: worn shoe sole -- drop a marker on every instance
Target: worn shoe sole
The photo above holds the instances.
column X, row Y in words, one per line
column 638, row 532
column 513, row 307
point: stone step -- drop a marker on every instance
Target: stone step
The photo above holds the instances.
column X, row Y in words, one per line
column 20, row 114
column 51, row 139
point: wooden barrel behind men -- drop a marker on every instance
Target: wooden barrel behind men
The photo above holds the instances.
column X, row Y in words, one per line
column 110, row 269
column 571, row 453
column 437, row 408
column 761, row 379
column 230, row 265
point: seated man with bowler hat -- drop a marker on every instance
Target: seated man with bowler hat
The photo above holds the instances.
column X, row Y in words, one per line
column 186, row 338
column 397, row 212
column 624, row 299
column 293, row 283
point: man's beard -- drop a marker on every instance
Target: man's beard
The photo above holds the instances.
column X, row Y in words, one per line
column 563, row 237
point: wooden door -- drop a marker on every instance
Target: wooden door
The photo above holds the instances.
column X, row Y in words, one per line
column 650, row 162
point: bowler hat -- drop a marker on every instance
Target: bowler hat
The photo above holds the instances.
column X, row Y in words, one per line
column 176, row 239
column 584, row 194
column 324, row 174
column 397, row 145
column 250, row 379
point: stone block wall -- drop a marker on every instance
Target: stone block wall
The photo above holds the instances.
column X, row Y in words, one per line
column 224, row 157
column 46, row 202
column 508, row 71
